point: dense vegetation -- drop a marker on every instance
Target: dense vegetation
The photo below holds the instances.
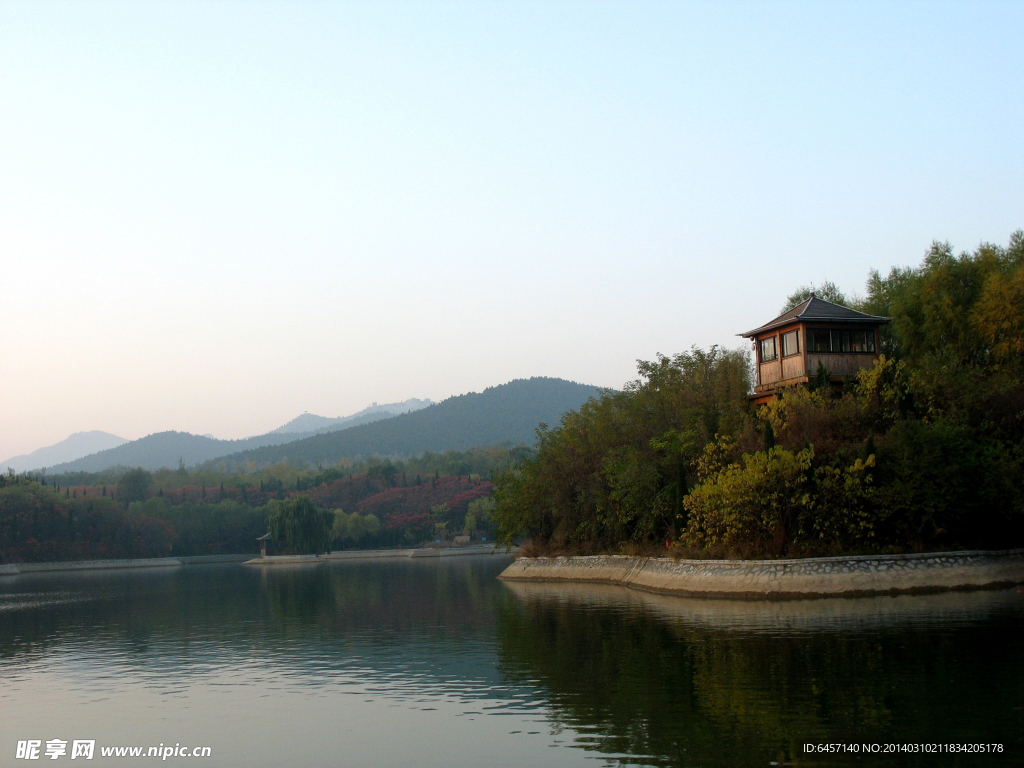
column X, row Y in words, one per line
column 924, row 451
column 135, row 513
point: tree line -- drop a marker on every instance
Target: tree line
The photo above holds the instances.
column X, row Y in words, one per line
column 379, row 502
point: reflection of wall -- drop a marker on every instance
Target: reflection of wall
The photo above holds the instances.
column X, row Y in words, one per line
column 714, row 682
column 829, row 613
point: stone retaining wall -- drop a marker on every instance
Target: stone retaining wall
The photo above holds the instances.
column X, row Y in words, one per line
column 809, row 577
column 13, row 569
column 376, row 554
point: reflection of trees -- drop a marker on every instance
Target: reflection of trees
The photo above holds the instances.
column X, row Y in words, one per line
column 664, row 680
column 601, row 672
column 389, row 596
column 681, row 693
column 251, row 609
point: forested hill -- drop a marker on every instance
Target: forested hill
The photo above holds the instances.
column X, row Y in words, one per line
column 509, row 413
column 166, row 449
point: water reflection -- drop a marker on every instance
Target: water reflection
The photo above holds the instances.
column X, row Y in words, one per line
column 385, row 663
column 342, row 614
column 715, row 682
column 438, row 663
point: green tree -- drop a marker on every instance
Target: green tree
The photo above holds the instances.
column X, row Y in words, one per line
column 355, row 528
column 776, row 499
column 478, row 514
column 134, row 485
column 301, row 525
column 953, row 310
column 617, row 469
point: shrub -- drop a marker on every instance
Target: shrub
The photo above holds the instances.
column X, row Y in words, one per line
column 775, row 500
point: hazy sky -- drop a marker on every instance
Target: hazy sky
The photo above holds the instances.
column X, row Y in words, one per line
column 215, row 216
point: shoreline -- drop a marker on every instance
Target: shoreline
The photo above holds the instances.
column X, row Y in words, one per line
column 14, row 569
column 378, row 554
column 854, row 576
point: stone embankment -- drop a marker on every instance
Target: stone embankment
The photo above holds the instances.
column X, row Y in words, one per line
column 378, row 554
column 14, row 569
column 809, row 577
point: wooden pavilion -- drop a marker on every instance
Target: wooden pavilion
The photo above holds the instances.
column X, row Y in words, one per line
column 815, row 332
column 263, row 543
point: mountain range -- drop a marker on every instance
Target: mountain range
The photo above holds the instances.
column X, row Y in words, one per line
column 78, row 445
column 95, row 451
column 310, row 423
column 508, row 413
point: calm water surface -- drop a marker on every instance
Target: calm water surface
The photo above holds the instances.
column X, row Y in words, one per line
column 436, row 663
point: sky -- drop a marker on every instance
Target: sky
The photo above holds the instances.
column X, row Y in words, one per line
column 215, row 216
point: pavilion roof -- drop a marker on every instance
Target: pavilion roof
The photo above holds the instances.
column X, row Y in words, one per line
column 815, row 310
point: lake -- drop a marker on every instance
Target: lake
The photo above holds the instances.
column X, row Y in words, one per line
column 435, row 662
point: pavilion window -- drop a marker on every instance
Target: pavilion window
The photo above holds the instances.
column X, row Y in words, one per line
column 769, row 351
column 840, row 341
column 791, row 343
column 819, row 341
column 862, row 341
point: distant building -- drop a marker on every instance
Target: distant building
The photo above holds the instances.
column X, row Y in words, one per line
column 789, row 349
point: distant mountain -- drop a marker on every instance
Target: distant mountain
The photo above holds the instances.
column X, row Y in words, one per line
column 165, row 449
column 509, row 413
column 78, row 445
column 310, row 423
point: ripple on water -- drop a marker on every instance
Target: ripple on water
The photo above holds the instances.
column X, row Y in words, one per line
column 403, row 660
